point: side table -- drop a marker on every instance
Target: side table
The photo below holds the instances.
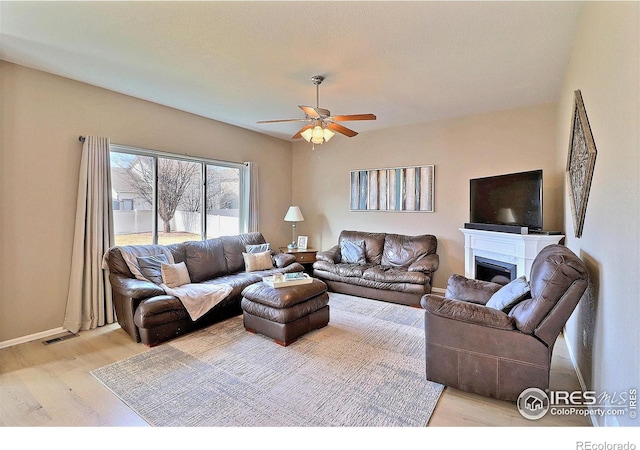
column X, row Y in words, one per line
column 305, row 256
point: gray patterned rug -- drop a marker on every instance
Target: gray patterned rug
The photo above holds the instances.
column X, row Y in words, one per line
column 366, row 368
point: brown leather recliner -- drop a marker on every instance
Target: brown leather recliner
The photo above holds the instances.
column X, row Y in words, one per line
column 474, row 348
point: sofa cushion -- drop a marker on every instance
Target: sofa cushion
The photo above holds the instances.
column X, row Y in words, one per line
column 353, row 252
column 386, row 274
column 257, row 248
column 402, row 251
column 234, row 246
column 510, row 294
column 342, row 269
column 257, row 261
column 373, row 243
column 205, row 259
column 151, row 267
column 175, row 275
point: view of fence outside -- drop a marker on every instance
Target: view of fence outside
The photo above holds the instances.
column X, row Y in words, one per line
column 136, row 227
column 176, row 192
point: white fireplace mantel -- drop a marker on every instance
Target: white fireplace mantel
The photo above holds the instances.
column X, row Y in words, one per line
column 517, row 249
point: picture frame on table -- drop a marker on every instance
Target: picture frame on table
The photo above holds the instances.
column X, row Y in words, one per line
column 302, row 242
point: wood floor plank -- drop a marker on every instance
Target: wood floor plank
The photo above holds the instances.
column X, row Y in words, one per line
column 51, row 385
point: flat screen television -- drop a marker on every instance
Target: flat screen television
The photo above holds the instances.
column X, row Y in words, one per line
column 508, row 201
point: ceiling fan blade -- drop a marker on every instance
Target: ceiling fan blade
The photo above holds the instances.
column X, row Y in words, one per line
column 316, row 113
column 344, row 118
column 340, row 129
column 282, row 120
column 298, row 135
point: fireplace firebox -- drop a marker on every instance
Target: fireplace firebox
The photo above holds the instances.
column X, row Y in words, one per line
column 495, row 271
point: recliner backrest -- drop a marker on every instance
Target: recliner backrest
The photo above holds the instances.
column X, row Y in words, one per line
column 558, row 280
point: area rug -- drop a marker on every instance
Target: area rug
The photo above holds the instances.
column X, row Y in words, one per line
column 364, row 369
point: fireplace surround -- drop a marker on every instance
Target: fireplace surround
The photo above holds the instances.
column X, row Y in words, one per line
column 518, row 250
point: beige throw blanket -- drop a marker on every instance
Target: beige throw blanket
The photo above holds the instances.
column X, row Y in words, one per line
column 130, row 256
column 199, row 298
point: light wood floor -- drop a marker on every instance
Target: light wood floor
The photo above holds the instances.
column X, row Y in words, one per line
column 50, row 385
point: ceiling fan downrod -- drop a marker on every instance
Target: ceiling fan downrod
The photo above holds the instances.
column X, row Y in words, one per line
column 317, row 79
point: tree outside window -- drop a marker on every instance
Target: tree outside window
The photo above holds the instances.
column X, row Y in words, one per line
column 179, row 199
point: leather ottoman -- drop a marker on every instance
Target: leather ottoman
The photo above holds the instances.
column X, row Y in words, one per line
column 284, row 314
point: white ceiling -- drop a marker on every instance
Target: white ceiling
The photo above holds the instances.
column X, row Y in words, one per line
column 239, row 62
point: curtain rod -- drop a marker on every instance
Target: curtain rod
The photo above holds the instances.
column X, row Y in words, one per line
column 83, row 138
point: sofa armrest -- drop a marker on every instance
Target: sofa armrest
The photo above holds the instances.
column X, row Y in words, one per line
column 466, row 312
column 428, row 264
column 282, row 259
column 331, row 256
column 470, row 290
column 134, row 288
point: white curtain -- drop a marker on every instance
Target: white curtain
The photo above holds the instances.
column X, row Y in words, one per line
column 89, row 303
column 253, row 223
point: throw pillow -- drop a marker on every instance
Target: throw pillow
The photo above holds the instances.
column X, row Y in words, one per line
column 257, row 261
column 175, row 275
column 151, row 267
column 509, row 295
column 352, row 252
column 258, row 248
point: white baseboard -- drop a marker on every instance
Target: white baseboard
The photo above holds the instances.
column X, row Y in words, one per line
column 610, row 421
column 31, row 337
column 438, row 291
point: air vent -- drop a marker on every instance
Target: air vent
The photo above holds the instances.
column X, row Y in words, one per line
column 59, row 338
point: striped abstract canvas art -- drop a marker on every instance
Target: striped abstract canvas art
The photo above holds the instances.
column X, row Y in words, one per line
column 407, row 189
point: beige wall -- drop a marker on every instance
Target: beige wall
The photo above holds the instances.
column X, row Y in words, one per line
column 603, row 333
column 41, row 117
column 461, row 149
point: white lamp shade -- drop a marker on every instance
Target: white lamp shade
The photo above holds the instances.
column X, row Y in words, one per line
column 307, row 134
column 294, row 215
column 328, row 134
column 317, row 135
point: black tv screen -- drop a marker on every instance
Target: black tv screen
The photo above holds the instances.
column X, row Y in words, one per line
column 511, row 199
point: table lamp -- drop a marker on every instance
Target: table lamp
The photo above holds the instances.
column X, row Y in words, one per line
column 293, row 215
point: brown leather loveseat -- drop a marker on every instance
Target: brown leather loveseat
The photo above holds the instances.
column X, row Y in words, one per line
column 149, row 315
column 501, row 352
column 390, row 267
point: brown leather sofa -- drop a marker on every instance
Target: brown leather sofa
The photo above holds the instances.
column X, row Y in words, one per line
column 150, row 316
column 490, row 352
column 391, row 267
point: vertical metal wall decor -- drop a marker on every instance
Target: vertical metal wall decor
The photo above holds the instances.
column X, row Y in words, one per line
column 580, row 163
column 405, row 189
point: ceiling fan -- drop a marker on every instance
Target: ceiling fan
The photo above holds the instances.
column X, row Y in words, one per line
column 321, row 124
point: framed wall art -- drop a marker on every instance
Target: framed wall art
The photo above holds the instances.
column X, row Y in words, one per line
column 400, row 189
column 580, row 163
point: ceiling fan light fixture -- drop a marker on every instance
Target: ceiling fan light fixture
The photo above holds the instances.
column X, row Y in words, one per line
column 307, row 134
column 317, row 136
column 328, row 134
